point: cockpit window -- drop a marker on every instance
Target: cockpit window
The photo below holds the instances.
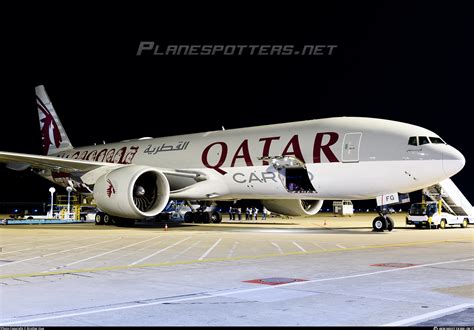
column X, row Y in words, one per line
column 436, row 140
column 420, row 140
column 423, row 140
column 412, row 141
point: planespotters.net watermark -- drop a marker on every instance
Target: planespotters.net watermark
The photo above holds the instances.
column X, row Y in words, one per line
column 147, row 48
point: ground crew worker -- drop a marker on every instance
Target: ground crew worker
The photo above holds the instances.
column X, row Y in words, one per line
column 255, row 213
column 247, row 213
column 239, row 212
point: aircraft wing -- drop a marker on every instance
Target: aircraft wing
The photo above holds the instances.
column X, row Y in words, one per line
column 89, row 171
column 22, row 161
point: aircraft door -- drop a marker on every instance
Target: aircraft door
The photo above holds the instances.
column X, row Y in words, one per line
column 292, row 173
column 350, row 147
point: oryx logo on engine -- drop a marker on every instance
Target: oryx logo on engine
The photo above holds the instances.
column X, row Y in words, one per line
column 110, row 188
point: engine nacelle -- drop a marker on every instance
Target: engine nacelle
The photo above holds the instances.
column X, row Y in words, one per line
column 293, row 207
column 133, row 192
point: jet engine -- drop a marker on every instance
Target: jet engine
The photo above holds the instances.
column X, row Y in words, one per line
column 133, row 192
column 293, row 207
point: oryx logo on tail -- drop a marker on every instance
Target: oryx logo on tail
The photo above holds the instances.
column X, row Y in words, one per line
column 49, row 128
column 53, row 135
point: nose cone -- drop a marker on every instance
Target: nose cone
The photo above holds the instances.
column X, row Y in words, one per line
column 453, row 161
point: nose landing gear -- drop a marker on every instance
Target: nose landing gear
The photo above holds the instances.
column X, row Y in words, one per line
column 383, row 222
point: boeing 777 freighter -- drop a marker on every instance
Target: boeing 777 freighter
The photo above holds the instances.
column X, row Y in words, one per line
column 291, row 167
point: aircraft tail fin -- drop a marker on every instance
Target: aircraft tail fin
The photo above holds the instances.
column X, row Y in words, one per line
column 53, row 136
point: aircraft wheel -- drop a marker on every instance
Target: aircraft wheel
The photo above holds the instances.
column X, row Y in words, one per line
column 216, row 217
column 99, row 218
column 129, row 222
column 390, row 224
column 119, row 222
column 464, row 223
column 379, row 224
column 188, row 217
column 197, row 217
column 107, row 220
column 206, row 217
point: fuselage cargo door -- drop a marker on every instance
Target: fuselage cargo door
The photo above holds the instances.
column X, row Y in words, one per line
column 293, row 174
column 350, row 147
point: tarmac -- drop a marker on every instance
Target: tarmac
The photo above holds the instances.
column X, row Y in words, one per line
column 318, row 271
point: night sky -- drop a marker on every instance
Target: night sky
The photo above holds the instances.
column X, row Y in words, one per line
column 409, row 63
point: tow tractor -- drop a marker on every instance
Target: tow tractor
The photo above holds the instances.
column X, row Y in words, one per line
column 432, row 215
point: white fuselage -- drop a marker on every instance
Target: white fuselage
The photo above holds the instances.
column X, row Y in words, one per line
column 346, row 158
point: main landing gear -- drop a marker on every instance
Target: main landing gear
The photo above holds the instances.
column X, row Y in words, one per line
column 383, row 222
column 203, row 217
column 102, row 218
column 207, row 212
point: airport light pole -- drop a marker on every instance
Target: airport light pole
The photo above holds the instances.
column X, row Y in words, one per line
column 68, row 189
column 52, row 190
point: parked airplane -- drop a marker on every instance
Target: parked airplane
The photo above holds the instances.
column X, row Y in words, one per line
column 290, row 167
